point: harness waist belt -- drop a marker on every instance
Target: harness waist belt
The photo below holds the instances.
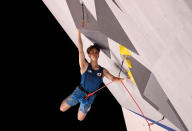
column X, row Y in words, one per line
column 82, row 89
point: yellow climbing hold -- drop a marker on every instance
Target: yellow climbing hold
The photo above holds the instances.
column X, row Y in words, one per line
column 125, row 55
column 124, row 51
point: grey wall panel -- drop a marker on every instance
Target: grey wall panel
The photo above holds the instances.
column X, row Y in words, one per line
column 110, row 26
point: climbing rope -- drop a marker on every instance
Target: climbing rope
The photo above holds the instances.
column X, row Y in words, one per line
column 137, row 106
column 97, row 90
column 149, row 124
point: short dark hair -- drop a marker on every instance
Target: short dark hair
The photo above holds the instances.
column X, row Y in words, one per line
column 93, row 47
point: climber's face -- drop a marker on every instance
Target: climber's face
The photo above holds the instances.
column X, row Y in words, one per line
column 94, row 54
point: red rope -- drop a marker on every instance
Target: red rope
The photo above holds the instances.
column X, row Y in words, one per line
column 137, row 106
column 97, row 90
column 130, row 96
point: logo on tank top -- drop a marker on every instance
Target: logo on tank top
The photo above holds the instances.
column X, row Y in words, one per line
column 98, row 74
column 90, row 71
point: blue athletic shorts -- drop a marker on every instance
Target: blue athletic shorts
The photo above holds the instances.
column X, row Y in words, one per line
column 78, row 97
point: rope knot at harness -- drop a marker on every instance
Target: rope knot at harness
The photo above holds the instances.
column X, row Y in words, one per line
column 90, row 94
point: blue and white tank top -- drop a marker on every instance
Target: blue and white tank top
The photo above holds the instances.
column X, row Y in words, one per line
column 92, row 79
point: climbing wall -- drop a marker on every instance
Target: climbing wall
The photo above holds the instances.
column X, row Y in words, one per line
column 153, row 38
